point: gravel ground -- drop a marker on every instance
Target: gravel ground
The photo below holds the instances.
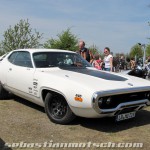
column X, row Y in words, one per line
column 22, row 121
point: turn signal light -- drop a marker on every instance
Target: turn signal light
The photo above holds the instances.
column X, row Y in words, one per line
column 78, row 99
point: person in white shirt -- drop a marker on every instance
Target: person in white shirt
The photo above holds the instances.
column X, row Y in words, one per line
column 108, row 60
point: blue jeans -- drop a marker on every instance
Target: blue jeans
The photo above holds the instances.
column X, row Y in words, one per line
column 107, row 69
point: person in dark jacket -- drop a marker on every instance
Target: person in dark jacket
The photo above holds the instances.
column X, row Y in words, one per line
column 84, row 52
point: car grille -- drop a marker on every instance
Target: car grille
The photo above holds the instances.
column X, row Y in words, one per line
column 115, row 100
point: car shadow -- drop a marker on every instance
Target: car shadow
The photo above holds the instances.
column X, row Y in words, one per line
column 29, row 104
column 3, row 146
column 107, row 124
column 110, row 125
column 8, row 97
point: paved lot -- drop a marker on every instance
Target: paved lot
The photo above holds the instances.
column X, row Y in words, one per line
column 22, row 121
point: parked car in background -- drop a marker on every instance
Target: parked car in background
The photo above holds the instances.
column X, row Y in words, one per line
column 66, row 85
column 138, row 71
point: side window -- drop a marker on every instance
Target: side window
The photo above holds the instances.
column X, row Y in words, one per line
column 12, row 57
column 40, row 57
column 40, row 60
column 21, row 58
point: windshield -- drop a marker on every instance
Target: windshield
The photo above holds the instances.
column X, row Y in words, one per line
column 59, row 59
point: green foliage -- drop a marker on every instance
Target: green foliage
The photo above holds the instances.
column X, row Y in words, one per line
column 20, row 36
column 66, row 40
column 1, row 53
column 94, row 50
column 148, row 50
column 137, row 51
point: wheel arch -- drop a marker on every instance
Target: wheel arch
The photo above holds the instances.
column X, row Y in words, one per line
column 44, row 92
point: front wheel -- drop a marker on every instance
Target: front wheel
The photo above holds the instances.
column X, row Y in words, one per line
column 57, row 109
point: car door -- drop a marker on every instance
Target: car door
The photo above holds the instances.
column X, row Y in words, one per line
column 20, row 73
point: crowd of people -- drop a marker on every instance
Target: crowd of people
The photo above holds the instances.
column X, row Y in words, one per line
column 109, row 62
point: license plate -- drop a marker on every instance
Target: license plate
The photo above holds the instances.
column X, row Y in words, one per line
column 125, row 116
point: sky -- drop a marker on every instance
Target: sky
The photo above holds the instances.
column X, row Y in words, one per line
column 117, row 24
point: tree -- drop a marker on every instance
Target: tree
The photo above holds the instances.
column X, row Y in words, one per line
column 94, row 50
column 1, row 53
column 137, row 51
column 20, row 36
column 148, row 50
column 66, row 40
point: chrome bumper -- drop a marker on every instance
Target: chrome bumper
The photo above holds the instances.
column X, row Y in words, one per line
column 136, row 104
column 140, row 104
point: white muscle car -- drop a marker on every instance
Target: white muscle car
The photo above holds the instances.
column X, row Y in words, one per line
column 66, row 85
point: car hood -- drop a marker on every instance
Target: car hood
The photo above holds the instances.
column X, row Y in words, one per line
column 96, row 80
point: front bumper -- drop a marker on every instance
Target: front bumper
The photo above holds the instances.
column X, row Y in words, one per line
column 125, row 106
column 135, row 106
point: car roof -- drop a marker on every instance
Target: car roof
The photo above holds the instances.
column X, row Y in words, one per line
column 44, row 50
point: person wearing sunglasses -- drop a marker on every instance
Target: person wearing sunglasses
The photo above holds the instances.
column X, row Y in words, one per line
column 108, row 60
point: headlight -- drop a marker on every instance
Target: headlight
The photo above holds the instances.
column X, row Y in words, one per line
column 108, row 100
column 104, row 102
column 148, row 95
column 100, row 101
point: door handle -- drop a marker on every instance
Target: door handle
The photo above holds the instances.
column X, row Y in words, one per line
column 10, row 69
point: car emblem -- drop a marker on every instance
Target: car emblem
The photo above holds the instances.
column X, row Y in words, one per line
column 130, row 84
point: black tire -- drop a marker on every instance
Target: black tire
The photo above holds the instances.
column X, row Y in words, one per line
column 57, row 109
column 3, row 93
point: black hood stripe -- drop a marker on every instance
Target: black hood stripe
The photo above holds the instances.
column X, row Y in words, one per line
column 97, row 73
